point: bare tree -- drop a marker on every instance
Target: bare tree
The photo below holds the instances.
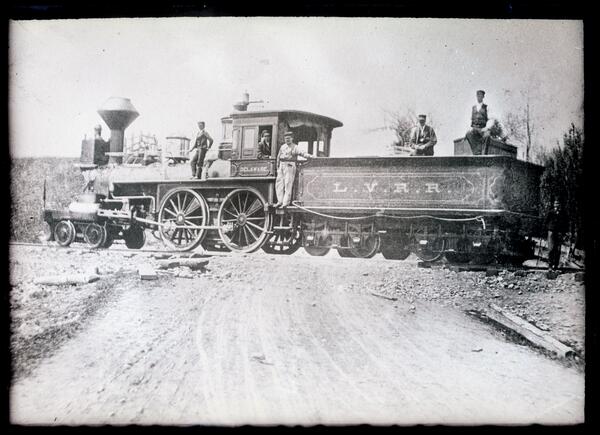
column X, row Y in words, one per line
column 400, row 123
column 520, row 126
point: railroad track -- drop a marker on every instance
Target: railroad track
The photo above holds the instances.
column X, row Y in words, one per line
column 460, row 267
column 116, row 249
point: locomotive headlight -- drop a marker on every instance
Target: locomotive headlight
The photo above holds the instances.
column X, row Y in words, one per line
column 310, row 238
column 356, row 239
column 422, row 242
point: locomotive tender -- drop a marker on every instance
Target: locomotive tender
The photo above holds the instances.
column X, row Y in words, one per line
column 462, row 207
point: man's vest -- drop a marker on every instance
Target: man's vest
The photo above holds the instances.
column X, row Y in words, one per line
column 201, row 141
column 479, row 117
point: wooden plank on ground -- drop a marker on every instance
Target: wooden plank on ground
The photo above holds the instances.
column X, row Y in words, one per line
column 147, row 272
column 71, row 279
column 192, row 263
column 528, row 331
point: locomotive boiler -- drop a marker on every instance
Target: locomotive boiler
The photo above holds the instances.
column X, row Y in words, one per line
column 464, row 207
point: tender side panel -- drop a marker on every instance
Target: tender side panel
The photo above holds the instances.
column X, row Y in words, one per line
column 444, row 183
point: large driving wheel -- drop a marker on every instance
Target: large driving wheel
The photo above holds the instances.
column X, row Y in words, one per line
column 64, row 233
column 94, row 235
column 182, row 211
column 243, row 220
column 135, row 237
column 432, row 251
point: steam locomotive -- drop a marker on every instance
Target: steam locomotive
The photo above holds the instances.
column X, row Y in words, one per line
column 464, row 207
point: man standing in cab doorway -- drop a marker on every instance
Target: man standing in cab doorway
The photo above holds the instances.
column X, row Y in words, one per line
column 422, row 138
column 202, row 144
column 286, row 169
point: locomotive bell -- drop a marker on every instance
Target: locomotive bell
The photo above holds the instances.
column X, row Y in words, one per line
column 118, row 113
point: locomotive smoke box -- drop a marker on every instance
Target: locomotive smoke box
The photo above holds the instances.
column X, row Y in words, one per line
column 118, row 113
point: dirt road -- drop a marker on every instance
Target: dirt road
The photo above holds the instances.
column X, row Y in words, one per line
column 295, row 340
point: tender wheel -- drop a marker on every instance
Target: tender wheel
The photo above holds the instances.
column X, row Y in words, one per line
column 243, row 221
column 457, row 257
column 392, row 253
column 432, row 251
column 135, row 237
column 181, row 210
column 64, row 233
column 345, row 253
column 461, row 255
column 395, row 247
column 368, row 250
column 283, row 242
column 317, row 251
column 109, row 240
column 94, row 235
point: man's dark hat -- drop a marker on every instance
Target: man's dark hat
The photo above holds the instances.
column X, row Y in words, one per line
column 262, row 133
column 422, row 116
column 481, row 91
column 288, row 133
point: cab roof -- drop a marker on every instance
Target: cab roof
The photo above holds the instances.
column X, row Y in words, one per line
column 330, row 122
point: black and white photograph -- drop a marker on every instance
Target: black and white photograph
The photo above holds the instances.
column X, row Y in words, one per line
column 227, row 221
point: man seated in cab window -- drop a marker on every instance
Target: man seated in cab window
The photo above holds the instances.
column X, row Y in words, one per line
column 264, row 146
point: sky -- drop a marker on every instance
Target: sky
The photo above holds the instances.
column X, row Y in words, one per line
column 177, row 71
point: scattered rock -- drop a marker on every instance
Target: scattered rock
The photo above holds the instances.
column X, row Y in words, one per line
column 491, row 272
column 424, row 265
column 477, row 349
column 579, row 276
column 552, row 274
column 147, row 272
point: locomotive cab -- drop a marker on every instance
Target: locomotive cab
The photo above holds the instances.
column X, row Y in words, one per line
column 312, row 133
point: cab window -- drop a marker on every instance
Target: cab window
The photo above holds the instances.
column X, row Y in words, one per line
column 249, row 141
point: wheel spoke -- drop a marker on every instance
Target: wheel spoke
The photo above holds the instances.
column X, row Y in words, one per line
column 180, row 236
column 239, row 197
column 256, row 206
column 255, row 219
column 178, row 200
column 246, row 236
column 190, row 223
column 186, row 234
column 194, row 217
column 174, row 206
column 185, row 198
column 174, row 232
column 255, row 226
column 233, row 206
column 246, row 200
column 253, row 233
column 170, row 212
column 232, row 214
column 185, row 207
column 190, row 209
column 228, row 220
